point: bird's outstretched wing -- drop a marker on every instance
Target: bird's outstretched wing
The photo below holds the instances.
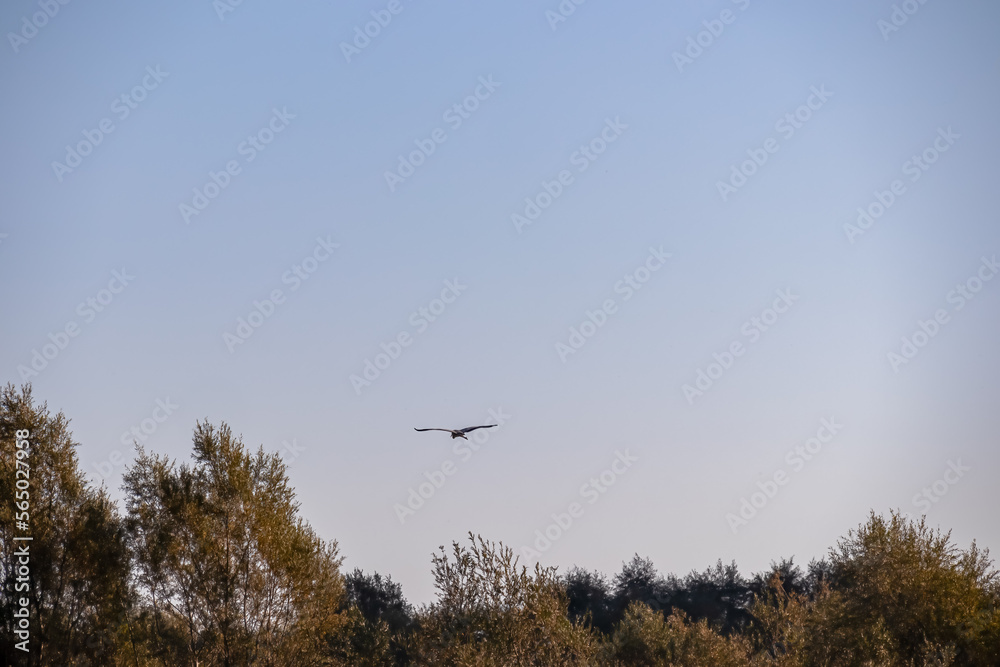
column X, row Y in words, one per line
column 446, row 430
column 473, row 428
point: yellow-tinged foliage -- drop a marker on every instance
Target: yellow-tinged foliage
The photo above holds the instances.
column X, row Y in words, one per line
column 644, row 638
column 491, row 612
column 211, row 565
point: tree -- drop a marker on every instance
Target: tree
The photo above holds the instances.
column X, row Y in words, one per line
column 229, row 572
column 719, row 595
column 788, row 573
column 590, row 600
column 777, row 629
column 904, row 594
column 640, row 582
column 380, row 623
column 77, row 592
column 490, row 612
column 379, row 598
column 213, row 566
column 644, row 638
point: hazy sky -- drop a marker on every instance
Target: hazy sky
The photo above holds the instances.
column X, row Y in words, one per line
column 698, row 250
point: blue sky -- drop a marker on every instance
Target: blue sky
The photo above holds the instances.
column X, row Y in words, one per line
column 686, row 462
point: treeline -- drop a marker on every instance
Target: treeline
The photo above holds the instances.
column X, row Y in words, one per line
column 208, row 563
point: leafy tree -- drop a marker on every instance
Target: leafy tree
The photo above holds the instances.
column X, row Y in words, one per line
column 719, row 595
column 212, row 566
column 640, row 582
column 78, row 593
column 819, row 578
column 645, row 639
column 490, row 612
column 590, row 599
column 378, row 598
column 228, row 571
column 380, row 623
column 902, row 594
column 777, row 630
column 364, row 643
column 788, row 573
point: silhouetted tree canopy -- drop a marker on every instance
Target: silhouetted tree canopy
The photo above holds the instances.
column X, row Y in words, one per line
column 590, row 599
column 378, row 598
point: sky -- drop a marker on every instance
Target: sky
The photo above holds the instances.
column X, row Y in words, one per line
column 721, row 272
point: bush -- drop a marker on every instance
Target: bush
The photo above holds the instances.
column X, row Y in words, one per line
column 645, row 639
column 490, row 612
column 902, row 594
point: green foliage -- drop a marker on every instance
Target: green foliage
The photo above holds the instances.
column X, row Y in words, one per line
column 78, row 595
column 362, row 642
column 777, row 631
column 590, row 599
column 380, row 623
column 640, row 582
column 902, row 592
column 645, row 639
column 230, row 574
column 719, row 595
column 491, row 612
column 213, row 566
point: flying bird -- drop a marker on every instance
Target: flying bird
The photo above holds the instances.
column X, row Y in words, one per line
column 460, row 433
